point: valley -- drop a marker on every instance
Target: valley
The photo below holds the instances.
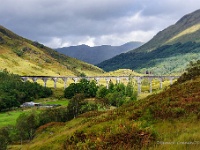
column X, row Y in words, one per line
column 146, row 98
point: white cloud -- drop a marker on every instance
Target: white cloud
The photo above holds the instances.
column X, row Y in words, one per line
column 57, row 42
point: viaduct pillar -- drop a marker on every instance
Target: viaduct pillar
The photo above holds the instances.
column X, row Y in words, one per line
column 139, row 80
column 150, row 83
column 161, row 83
column 107, row 82
column 97, row 80
column 65, row 82
column 55, row 79
column 45, row 81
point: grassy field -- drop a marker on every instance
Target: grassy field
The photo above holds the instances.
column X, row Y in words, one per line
column 61, row 101
column 9, row 118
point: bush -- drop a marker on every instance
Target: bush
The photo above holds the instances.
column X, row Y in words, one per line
column 74, row 106
column 37, row 44
column 86, row 107
column 18, row 52
column 88, row 88
column 4, row 138
column 53, row 115
column 3, row 143
column 191, row 72
column 26, row 125
column 116, row 98
column 102, row 92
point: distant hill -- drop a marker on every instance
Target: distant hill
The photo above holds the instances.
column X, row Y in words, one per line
column 167, row 52
column 97, row 54
column 24, row 57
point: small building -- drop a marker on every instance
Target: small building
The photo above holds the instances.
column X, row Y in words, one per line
column 30, row 104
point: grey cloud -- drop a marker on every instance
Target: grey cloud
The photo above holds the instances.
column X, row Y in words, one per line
column 75, row 21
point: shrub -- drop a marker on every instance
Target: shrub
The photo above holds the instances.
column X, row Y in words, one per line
column 37, row 44
column 74, row 106
column 86, row 107
column 116, row 98
column 4, row 138
column 1, row 40
column 102, row 92
column 26, row 125
column 88, row 88
column 18, row 52
column 191, row 72
column 3, row 143
column 53, row 115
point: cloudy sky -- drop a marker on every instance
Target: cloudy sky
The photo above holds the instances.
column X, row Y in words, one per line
column 59, row 23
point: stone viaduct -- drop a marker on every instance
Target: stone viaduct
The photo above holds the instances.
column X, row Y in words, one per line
column 106, row 78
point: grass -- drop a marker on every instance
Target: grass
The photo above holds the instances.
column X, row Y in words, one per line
column 177, row 134
column 188, row 31
column 50, row 133
column 9, row 118
column 62, row 101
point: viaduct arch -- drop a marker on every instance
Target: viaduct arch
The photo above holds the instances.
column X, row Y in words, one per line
column 106, row 78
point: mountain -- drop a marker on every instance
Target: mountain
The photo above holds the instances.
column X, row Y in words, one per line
column 167, row 52
column 97, row 54
column 24, row 57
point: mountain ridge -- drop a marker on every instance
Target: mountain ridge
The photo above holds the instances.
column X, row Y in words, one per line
column 97, row 54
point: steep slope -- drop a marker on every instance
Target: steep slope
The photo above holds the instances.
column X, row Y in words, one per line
column 177, row 42
column 186, row 29
column 168, row 120
column 97, row 54
column 24, row 57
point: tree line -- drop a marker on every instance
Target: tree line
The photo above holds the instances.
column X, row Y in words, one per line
column 14, row 92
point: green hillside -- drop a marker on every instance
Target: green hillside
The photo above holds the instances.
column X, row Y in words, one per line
column 167, row 59
column 24, row 57
column 168, row 52
column 168, row 120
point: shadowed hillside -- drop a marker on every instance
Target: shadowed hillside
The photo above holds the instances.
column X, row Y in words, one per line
column 97, row 54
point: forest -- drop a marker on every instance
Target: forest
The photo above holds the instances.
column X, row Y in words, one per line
column 167, row 59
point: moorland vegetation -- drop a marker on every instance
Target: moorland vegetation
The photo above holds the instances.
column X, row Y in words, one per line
column 169, row 116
